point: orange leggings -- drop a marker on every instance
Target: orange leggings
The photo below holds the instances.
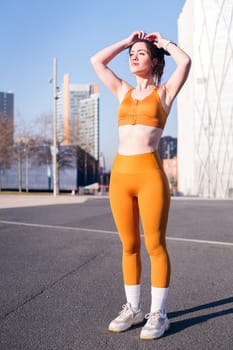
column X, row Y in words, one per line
column 139, row 188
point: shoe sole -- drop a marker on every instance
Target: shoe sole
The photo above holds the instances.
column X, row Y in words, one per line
column 156, row 336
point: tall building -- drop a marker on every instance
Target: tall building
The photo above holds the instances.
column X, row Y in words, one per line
column 168, row 153
column 167, row 147
column 205, row 104
column 7, row 105
column 78, row 116
column 88, row 126
column 7, row 113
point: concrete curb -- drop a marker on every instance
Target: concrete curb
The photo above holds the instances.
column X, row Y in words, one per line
column 21, row 200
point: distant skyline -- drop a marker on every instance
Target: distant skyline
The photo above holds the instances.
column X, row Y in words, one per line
column 34, row 32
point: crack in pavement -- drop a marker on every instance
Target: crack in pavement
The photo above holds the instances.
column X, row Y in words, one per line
column 46, row 288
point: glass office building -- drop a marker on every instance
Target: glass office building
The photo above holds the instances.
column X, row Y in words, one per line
column 205, row 104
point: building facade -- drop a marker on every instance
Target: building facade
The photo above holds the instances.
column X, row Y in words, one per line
column 7, row 115
column 168, row 153
column 88, row 131
column 167, row 147
column 31, row 169
column 78, row 116
column 205, row 104
column 7, row 105
column 170, row 166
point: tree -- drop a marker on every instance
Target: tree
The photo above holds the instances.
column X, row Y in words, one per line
column 6, row 143
column 65, row 154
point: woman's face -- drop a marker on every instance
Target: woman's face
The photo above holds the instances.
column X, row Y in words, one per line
column 140, row 62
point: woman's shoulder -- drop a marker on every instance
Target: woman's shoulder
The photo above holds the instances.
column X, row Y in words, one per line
column 125, row 88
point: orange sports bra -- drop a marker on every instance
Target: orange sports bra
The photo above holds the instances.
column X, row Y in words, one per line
column 148, row 111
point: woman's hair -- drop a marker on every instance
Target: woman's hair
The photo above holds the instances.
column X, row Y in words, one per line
column 157, row 53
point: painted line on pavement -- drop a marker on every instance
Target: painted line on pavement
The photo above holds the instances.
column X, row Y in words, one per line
column 67, row 228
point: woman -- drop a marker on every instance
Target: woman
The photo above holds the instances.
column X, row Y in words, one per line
column 138, row 185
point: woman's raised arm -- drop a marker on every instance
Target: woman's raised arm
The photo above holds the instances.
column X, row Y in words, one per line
column 183, row 64
column 101, row 59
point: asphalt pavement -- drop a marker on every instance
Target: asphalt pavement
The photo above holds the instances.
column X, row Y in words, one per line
column 61, row 281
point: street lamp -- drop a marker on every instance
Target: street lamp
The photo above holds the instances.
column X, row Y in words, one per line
column 55, row 150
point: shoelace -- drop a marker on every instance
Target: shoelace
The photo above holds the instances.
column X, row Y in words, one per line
column 126, row 310
column 153, row 316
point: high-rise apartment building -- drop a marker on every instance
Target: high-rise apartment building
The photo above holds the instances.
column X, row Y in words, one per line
column 205, row 104
column 78, row 116
column 7, row 113
column 7, row 105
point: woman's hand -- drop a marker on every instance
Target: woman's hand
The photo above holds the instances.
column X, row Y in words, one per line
column 183, row 64
column 157, row 39
column 132, row 38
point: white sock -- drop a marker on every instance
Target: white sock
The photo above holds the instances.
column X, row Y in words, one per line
column 158, row 299
column 133, row 294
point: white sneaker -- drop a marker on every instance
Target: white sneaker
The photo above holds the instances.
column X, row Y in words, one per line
column 126, row 319
column 155, row 326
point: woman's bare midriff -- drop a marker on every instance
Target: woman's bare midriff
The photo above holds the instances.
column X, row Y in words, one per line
column 138, row 139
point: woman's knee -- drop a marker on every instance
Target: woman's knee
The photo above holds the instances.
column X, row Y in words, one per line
column 155, row 248
column 131, row 246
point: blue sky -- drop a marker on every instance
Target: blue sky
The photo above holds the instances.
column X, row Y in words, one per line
column 34, row 32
